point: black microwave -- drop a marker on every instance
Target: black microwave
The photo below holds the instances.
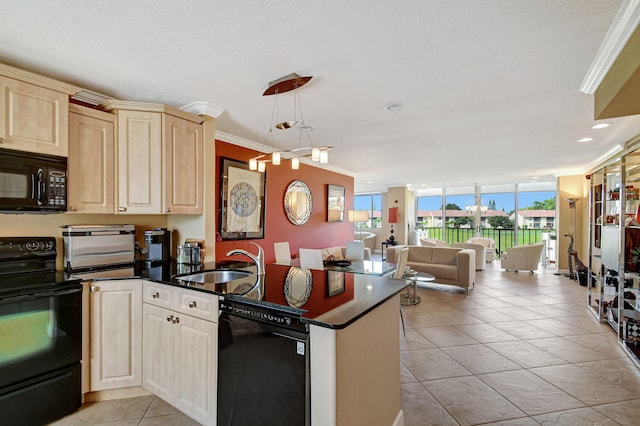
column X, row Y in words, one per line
column 33, row 183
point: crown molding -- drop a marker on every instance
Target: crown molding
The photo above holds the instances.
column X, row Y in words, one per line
column 203, row 108
column 623, row 26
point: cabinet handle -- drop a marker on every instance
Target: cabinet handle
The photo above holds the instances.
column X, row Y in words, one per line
column 193, row 304
column 1, row 140
column 176, row 320
column 72, row 209
column 122, row 209
column 170, row 319
column 167, row 210
column 155, row 295
column 93, row 288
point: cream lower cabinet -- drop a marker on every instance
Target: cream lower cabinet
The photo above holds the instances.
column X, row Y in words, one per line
column 91, row 161
column 116, row 334
column 180, row 349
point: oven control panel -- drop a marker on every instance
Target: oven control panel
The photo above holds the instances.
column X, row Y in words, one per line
column 27, row 246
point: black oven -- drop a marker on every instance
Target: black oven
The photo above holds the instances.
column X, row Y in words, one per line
column 32, row 182
column 40, row 334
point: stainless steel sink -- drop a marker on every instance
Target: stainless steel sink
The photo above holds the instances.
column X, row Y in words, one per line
column 214, row 276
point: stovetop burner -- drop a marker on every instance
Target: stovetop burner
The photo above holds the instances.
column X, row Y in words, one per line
column 28, row 265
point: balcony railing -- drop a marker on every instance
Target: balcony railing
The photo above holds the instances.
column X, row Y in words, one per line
column 504, row 237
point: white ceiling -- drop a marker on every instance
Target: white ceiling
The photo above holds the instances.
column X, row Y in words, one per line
column 490, row 88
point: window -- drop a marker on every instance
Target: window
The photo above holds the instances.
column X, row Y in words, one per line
column 373, row 204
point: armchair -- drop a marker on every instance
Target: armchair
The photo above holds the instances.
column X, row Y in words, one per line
column 524, row 258
column 432, row 242
column 489, row 244
column 369, row 239
column 480, row 253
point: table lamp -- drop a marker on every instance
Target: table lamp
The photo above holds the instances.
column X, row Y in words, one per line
column 393, row 218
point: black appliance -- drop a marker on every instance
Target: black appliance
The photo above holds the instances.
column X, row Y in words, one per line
column 158, row 244
column 263, row 366
column 40, row 334
column 34, row 183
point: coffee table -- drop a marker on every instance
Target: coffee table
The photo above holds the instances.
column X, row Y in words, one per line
column 410, row 298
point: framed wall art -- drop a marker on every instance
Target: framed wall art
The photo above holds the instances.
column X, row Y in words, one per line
column 335, row 203
column 335, row 283
column 242, row 201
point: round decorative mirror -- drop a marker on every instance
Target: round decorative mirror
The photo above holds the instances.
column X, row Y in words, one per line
column 298, row 202
column 297, row 286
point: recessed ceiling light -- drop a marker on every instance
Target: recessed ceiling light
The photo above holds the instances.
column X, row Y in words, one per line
column 585, row 140
column 600, row 126
column 369, row 181
column 535, row 177
column 393, row 106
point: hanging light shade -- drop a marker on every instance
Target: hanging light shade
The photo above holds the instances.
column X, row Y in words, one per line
column 253, row 164
column 275, row 158
column 261, row 166
column 324, row 156
column 295, row 163
column 315, row 154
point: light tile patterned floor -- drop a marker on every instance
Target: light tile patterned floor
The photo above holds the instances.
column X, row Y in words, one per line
column 521, row 349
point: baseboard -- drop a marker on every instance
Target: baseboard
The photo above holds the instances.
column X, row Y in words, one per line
column 399, row 421
column 106, row 395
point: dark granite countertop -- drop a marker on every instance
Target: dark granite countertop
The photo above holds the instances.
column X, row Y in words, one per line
column 325, row 298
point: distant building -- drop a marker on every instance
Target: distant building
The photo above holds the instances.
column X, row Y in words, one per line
column 433, row 218
column 536, row 219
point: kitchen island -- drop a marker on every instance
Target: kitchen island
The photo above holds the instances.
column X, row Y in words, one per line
column 352, row 321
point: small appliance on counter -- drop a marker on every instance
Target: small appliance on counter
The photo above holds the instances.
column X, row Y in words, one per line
column 158, row 244
column 99, row 251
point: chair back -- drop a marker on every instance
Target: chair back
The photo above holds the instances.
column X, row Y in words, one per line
column 311, row 259
column 402, row 263
column 355, row 250
column 283, row 253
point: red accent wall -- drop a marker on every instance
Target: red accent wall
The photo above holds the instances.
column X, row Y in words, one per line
column 316, row 233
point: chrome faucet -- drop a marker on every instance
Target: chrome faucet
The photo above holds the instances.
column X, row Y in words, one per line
column 258, row 259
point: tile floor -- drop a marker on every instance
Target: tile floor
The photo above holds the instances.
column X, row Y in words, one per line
column 521, row 349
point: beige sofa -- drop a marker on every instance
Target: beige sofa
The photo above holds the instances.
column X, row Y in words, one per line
column 455, row 266
column 481, row 254
column 522, row 258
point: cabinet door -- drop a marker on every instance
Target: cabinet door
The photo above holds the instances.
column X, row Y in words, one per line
column 183, row 161
column 116, row 334
column 91, row 164
column 33, row 118
column 158, row 350
column 139, row 162
column 196, row 343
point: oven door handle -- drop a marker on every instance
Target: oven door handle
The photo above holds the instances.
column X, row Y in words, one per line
column 40, row 295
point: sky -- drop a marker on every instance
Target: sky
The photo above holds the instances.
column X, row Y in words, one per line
column 504, row 201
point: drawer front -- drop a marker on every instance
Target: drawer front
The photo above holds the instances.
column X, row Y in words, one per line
column 158, row 294
column 197, row 304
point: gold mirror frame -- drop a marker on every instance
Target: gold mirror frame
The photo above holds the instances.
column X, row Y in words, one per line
column 298, row 202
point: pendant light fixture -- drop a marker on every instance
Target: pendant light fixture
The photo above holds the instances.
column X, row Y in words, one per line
column 289, row 83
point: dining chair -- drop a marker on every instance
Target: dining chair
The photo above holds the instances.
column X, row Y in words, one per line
column 283, row 252
column 355, row 250
column 311, row 259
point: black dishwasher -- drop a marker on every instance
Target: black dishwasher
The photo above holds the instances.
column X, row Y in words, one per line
column 263, row 366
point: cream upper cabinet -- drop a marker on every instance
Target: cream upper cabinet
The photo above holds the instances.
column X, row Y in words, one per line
column 116, row 334
column 34, row 112
column 160, row 159
column 91, row 161
column 139, row 162
column 183, row 163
